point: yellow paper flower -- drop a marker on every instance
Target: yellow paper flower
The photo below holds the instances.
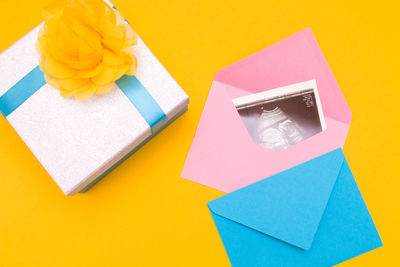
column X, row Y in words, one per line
column 84, row 47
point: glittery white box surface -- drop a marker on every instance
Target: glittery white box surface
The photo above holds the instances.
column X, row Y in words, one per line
column 77, row 141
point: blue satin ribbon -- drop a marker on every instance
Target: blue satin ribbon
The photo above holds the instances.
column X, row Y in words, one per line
column 141, row 99
column 130, row 86
column 21, row 91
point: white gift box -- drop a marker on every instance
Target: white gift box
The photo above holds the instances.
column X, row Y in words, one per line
column 78, row 142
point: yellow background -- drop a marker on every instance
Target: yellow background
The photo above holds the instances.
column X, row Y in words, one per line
column 143, row 213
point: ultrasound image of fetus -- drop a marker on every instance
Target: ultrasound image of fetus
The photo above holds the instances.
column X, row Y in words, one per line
column 277, row 131
column 282, row 122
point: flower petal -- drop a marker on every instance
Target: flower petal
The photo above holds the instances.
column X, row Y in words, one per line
column 84, row 94
column 114, row 59
column 56, row 69
column 104, row 89
column 73, row 84
column 105, row 76
column 91, row 72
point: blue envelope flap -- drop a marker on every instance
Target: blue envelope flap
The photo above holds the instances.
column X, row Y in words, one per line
column 287, row 206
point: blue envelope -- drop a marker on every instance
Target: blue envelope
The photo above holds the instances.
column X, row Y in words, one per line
column 310, row 215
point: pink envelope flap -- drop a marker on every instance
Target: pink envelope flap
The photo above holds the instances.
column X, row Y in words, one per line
column 295, row 59
column 223, row 155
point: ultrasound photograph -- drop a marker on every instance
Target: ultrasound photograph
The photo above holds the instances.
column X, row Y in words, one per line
column 282, row 117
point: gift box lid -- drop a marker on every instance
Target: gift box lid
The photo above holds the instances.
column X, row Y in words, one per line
column 77, row 141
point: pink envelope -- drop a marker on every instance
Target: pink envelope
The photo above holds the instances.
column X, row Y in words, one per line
column 223, row 155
